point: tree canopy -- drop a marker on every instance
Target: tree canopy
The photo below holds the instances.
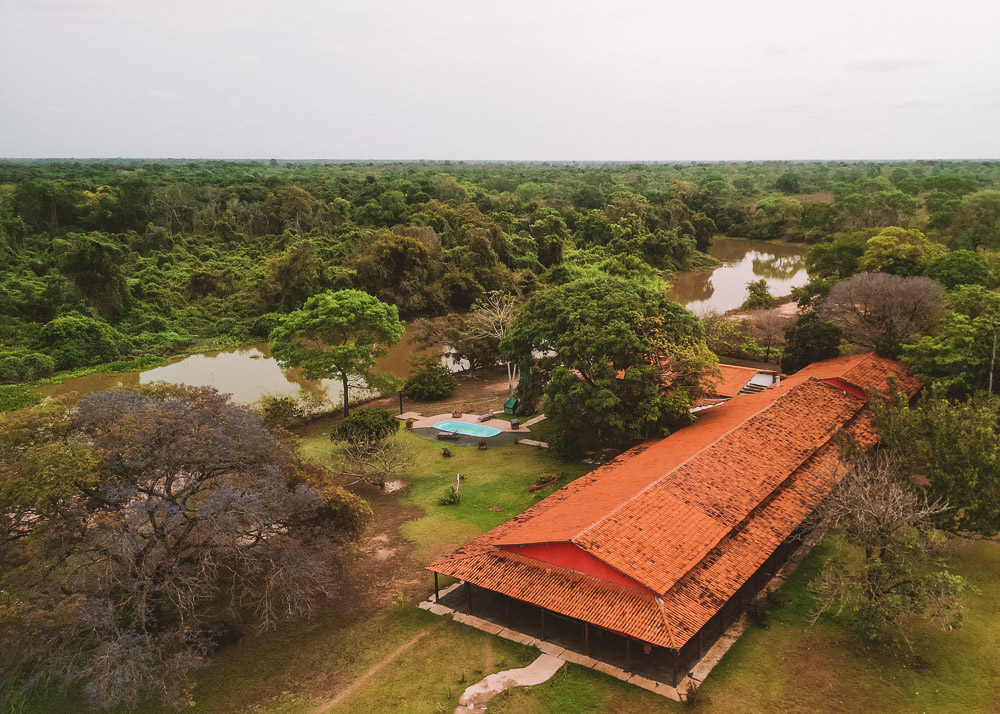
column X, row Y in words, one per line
column 130, row 522
column 880, row 311
column 337, row 335
column 606, row 345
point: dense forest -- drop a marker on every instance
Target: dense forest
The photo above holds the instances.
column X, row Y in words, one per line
column 110, row 260
column 556, row 270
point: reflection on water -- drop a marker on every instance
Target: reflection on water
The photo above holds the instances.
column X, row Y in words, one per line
column 783, row 265
column 247, row 373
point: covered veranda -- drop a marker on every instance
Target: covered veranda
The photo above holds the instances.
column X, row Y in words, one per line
column 660, row 664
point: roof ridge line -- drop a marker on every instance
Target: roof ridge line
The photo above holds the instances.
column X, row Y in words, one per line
column 768, row 496
column 666, row 625
column 692, row 456
column 808, row 380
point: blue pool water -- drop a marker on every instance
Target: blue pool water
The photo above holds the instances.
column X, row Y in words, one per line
column 461, row 427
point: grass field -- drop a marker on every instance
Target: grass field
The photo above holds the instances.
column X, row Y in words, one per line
column 791, row 666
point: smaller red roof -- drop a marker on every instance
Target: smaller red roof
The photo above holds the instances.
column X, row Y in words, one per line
column 733, row 379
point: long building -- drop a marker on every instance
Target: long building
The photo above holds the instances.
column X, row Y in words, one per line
column 664, row 545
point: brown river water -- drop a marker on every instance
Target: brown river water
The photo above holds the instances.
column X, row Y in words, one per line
column 783, row 265
column 249, row 373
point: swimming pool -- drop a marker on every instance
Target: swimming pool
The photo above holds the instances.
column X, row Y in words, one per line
column 461, row 427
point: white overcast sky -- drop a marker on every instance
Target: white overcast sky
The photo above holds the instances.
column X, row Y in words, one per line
column 469, row 79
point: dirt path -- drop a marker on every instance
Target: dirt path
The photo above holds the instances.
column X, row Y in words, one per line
column 357, row 683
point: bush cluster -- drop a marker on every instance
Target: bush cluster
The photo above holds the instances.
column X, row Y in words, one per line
column 429, row 380
column 365, row 425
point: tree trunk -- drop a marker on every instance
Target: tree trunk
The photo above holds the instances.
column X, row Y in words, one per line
column 993, row 359
column 346, row 408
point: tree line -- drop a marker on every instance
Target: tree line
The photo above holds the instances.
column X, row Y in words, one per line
column 110, row 260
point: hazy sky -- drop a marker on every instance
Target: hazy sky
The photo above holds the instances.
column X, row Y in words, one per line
column 468, row 79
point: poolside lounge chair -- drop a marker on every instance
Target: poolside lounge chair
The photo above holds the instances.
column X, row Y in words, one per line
column 486, row 417
column 447, row 435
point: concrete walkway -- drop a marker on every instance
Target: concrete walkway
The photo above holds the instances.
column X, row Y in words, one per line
column 477, row 697
column 540, row 417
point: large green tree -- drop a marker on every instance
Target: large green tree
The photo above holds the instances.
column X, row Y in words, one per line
column 603, row 345
column 954, row 446
column 810, row 340
column 337, row 335
column 962, row 354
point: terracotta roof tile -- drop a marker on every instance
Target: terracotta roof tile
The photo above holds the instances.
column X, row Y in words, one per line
column 733, row 379
column 691, row 516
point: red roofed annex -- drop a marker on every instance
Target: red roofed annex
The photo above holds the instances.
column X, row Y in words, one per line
column 664, row 544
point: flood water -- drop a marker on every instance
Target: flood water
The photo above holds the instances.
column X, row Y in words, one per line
column 248, row 373
column 783, row 265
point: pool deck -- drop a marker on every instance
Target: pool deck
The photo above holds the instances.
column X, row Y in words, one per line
column 424, row 426
column 501, row 424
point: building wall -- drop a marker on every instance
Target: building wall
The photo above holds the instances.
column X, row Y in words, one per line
column 572, row 557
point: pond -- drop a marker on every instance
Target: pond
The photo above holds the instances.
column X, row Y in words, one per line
column 783, row 265
column 248, row 373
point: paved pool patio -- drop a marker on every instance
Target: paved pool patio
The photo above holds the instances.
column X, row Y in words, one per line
column 424, row 426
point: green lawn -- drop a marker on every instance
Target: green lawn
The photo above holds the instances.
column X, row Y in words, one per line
column 493, row 477
column 791, row 666
column 794, row 667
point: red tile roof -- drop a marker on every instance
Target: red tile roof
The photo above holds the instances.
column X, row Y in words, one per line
column 689, row 517
column 733, row 378
column 868, row 372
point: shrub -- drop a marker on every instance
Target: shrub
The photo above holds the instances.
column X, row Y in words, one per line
column 25, row 366
column 134, row 365
column 760, row 608
column 16, row 396
column 225, row 326
column 365, row 425
column 262, row 326
column 281, row 412
column 566, row 443
column 758, row 295
column 289, row 411
column 450, row 497
column 161, row 342
column 429, row 380
column 77, row 341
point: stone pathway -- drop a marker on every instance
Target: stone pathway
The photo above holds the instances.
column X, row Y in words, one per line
column 532, row 442
column 477, row 697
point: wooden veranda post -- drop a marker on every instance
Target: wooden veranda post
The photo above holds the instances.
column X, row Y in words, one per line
column 628, row 653
column 676, row 657
column 586, row 638
column 468, row 594
column 436, row 598
column 543, row 623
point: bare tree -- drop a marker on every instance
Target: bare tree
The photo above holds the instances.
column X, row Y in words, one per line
column 171, row 505
column 376, row 461
column 491, row 320
column 769, row 328
column 884, row 572
column 880, row 310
